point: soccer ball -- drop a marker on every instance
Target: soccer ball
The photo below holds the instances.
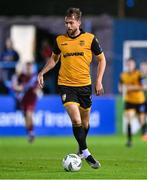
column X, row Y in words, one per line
column 72, row 162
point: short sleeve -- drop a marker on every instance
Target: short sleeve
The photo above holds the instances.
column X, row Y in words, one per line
column 56, row 49
column 95, row 47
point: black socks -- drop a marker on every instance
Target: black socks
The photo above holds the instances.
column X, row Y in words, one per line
column 86, row 130
column 129, row 134
column 80, row 135
column 144, row 129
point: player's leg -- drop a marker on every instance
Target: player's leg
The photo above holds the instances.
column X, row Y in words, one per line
column 146, row 111
column 129, row 115
column 146, row 114
column 85, row 106
column 28, row 106
column 79, row 133
column 143, row 126
column 71, row 103
column 85, row 116
column 70, row 99
column 29, row 124
column 74, row 114
column 141, row 117
column 84, row 97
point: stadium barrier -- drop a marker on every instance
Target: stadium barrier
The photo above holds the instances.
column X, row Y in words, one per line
column 50, row 117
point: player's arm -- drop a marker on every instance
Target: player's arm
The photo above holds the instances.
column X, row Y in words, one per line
column 52, row 61
column 15, row 85
column 97, row 50
column 144, row 82
column 120, row 85
column 134, row 87
column 100, row 72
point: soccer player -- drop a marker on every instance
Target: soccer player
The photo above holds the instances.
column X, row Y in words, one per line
column 25, row 86
column 74, row 49
column 134, row 98
column 143, row 69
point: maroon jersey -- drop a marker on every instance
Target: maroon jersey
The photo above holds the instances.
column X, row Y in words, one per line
column 28, row 95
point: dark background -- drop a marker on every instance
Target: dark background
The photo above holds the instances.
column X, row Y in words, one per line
column 115, row 8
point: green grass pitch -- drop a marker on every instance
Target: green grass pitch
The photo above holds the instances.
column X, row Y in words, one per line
column 42, row 159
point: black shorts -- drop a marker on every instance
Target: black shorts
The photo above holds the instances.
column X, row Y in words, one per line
column 79, row 95
column 139, row 108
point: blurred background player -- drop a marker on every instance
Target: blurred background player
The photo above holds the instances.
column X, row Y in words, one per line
column 25, row 87
column 130, row 83
column 143, row 69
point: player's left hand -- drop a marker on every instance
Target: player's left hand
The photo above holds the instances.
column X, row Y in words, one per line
column 99, row 89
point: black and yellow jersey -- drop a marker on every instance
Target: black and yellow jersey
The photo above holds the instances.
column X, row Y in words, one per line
column 76, row 56
column 132, row 78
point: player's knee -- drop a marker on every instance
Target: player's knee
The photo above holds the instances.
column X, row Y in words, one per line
column 85, row 124
column 76, row 122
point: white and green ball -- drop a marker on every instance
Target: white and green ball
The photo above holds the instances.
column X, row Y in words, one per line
column 72, row 162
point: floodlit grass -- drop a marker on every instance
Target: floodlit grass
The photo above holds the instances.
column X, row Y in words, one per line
column 42, row 159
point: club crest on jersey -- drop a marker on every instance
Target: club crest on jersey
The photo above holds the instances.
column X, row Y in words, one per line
column 82, row 43
column 64, row 97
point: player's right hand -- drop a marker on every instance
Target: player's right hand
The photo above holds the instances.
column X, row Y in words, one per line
column 40, row 80
column 99, row 88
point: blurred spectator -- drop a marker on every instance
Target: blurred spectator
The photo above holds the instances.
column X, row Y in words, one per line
column 3, row 88
column 25, row 86
column 50, row 78
column 46, row 51
column 11, row 56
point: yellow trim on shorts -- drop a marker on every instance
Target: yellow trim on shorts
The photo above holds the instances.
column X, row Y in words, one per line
column 85, row 109
column 67, row 103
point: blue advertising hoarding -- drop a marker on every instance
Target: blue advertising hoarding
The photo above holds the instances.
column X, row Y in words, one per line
column 50, row 117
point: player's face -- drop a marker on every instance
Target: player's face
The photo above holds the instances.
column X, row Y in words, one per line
column 131, row 65
column 72, row 25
